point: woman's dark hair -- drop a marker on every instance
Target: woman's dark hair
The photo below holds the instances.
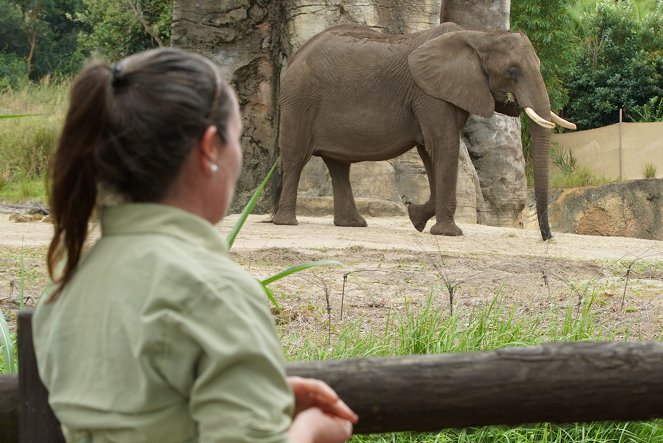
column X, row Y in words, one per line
column 129, row 128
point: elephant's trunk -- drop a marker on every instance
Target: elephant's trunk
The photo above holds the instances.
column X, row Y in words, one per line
column 540, row 148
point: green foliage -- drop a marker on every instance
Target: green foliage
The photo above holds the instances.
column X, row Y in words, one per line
column 120, row 28
column 46, row 35
column 620, row 64
column 652, row 111
column 547, row 24
column 13, row 72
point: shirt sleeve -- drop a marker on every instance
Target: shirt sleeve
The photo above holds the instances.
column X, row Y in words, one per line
column 239, row 392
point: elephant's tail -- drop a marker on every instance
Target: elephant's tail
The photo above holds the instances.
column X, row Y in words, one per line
column 277, row 187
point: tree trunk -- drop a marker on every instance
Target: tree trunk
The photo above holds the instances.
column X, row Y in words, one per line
column 478, row 15
column 244, row 39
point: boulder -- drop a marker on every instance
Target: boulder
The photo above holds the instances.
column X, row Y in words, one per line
column 495, row 148
column 627, row 209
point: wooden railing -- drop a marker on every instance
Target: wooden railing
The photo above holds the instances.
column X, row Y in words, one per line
column 557, row 382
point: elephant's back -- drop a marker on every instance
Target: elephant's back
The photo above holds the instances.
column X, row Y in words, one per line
column 346, row 39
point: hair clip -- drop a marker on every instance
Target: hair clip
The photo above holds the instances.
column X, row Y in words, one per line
column 116, row 73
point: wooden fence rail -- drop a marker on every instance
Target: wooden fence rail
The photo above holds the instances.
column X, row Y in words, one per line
column 557, row 382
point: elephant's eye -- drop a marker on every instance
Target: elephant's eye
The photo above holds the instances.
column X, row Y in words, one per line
column 514, row 72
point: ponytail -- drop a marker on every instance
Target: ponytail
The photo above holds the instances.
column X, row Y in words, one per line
column 73, row 190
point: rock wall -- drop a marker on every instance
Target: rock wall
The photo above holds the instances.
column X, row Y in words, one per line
column 252, row 40
column 628, row 209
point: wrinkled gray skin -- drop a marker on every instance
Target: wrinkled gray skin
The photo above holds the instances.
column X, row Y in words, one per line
column 352, row 94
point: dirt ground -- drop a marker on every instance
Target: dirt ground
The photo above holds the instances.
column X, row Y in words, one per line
column 389, row 265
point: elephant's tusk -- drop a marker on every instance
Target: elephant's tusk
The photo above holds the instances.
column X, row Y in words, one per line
column 538, row 119
column 560, row 121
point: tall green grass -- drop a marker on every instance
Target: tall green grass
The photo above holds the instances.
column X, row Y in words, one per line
column 7, row 349
column 26, row 143
column 431, row 329
column 572, row 174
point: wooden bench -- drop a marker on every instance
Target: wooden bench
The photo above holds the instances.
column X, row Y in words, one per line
column 557, row 382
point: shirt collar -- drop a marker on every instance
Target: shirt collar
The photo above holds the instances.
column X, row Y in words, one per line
column 152, row 218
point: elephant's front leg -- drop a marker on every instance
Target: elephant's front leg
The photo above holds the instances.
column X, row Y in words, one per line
column 420, row 213
column 445, row 162
column 345, row 210
column 287, row 205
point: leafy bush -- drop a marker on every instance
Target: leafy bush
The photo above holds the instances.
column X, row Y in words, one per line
column 620, row 63
column 652, row 111
column 13, row 73
column 117, row 29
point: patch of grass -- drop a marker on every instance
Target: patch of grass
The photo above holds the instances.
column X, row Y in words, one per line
column 649, row 170
column 572, row 174
column 27, row 143
column 23, row 273
column 23, row 189
column 432, row 330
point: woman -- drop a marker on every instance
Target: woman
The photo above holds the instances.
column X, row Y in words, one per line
column 154, row 334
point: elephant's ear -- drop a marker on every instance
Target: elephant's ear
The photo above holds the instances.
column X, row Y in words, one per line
column 449, row 68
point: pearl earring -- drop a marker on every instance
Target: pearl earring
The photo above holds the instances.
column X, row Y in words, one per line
column 213, row 167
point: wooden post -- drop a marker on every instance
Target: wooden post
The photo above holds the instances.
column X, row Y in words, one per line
column 8, row 408
column 621, row 151
column 560, row 383
column 37, row 423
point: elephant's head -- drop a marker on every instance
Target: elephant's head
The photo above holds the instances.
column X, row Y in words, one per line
column 486, row 72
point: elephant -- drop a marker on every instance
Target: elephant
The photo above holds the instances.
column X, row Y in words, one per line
column 354, row 94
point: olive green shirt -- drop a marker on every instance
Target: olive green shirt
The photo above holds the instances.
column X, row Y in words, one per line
column 160, row 337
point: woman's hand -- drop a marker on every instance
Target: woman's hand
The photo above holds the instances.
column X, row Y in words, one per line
column 315, row 426
column 311, row 393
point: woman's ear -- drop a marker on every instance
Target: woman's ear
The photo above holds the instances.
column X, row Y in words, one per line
column 448, row 67
column 208, row 152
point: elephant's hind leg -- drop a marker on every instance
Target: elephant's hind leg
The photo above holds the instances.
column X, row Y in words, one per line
column 345, row 210
column 420, row 213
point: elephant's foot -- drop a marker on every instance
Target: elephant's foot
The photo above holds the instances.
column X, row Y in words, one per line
column 355, row 220
column 419, row 216
column 284, row 219
column 447, row 228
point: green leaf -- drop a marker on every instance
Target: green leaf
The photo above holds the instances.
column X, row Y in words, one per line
column 7, row 346
column 19, row 115
column 270, row 295
column 298, row 268
column 232, row 235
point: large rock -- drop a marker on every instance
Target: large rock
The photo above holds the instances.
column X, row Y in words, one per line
column 627, row 209
column 242, row 37
column 495, row 148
